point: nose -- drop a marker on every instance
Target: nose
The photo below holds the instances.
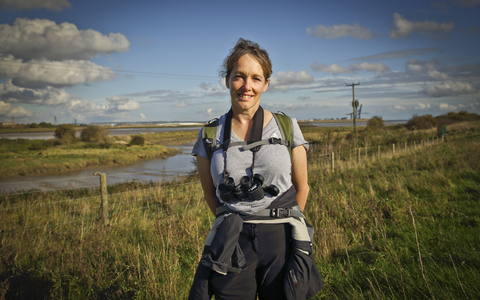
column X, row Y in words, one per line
column 247, row 85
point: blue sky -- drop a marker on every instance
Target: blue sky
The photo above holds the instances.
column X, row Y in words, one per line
column 123, row 61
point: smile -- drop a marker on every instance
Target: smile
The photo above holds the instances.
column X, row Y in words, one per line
column 246, row 97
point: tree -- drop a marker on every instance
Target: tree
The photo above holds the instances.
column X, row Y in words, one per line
column 137, row 140
column 375, row 123
column 93, row 134
column 66, row 132
column 421, row 122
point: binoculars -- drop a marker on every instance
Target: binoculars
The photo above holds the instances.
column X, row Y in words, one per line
column 250, row 188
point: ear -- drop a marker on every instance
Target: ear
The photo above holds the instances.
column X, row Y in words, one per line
column 267, row 82
column 226, row 82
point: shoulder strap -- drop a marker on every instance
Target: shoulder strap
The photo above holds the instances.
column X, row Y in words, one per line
column 285, row 125
column 209, row 132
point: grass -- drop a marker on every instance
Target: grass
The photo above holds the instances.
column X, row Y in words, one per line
column 24, row 157
column 401, row 226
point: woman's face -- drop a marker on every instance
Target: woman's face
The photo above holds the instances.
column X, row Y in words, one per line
column 246, row 84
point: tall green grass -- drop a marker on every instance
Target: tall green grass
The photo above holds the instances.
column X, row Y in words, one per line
column 401, row 226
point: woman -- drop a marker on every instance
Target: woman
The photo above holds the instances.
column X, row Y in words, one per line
column 249, row 175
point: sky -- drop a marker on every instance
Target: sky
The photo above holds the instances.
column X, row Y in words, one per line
column 136, row 61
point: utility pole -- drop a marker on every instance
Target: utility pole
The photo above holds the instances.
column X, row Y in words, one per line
column 355, row 105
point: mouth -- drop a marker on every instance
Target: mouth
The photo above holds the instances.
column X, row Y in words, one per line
column 245, row 97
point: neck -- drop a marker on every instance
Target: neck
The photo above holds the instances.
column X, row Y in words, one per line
column 244, row 116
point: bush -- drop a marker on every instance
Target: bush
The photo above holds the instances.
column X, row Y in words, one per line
column 93, row 134
column 66, row 133
column 137, row 140
column 375, row 123
column 421, row 122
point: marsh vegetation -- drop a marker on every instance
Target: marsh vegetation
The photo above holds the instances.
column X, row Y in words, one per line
column 401, row 225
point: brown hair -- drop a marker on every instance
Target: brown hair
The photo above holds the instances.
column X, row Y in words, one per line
column 246, row 47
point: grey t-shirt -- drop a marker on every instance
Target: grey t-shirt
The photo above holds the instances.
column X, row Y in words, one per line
column 271, row 161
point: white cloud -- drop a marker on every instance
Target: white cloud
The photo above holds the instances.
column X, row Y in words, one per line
column 446, row 106
column 41, row 73
column 333, row 68
column 7, row 110
column 404, row 28
column 395, row 108
column 40, row 38
column 181, row 104
column 366, row 66
column 284, row 79
column 46, row 96
column 338, row 31
column 210, row 112
column 13, row 5
column 449, row 88
column 122, row 104
column 430, row 67
column 421, row 106
column 142, row 116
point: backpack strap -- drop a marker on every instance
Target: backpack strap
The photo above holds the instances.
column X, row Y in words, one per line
column 209, row 137
column 285, row 124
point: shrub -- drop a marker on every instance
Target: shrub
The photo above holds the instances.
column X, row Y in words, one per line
column 137, row 140
column 93, row 134
column 375, row 123
column 66, row 133
column 421, row 122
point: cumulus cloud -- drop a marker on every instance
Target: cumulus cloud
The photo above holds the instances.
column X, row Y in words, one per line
column 333, row 68
column 421, row 106
column 429, row 67
column 142, row 116
column 449, row 88
column 446, row 106
column 209, row 112
column 284, row 79
column 40, row 38
column 41, row 73
column 338, row 31
column 122, row 104
column 47, row 96
column 7, row 110
column 366, row 66
column 404, row 28
column 13, row 5
column 395, row 108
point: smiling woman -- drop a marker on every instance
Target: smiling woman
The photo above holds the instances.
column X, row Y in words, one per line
column 246, row 255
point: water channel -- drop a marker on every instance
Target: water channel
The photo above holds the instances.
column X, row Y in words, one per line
column 155, row 170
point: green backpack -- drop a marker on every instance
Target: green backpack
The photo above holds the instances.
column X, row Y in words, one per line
column 284, row 123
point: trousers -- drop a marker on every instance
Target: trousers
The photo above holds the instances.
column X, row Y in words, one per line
column 267, row 248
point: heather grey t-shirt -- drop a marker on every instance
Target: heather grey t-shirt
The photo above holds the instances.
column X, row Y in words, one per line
column 271, row 161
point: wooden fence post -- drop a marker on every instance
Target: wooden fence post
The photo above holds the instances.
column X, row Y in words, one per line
column 405, row 146
column 378, row 150
column 333, row 162
column 393, row 148
column 103, row 189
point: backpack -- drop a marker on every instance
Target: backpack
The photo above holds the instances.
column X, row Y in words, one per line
column 284, row 122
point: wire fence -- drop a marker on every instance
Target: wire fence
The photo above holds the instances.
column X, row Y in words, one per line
column 47, row 212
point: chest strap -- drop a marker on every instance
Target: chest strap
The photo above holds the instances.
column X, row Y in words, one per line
column 295, row 212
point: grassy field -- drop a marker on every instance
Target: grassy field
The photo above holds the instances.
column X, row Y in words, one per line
column 398, row 226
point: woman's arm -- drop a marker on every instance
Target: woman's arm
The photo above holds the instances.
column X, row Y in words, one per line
column 203, row 167
column 300, row 175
